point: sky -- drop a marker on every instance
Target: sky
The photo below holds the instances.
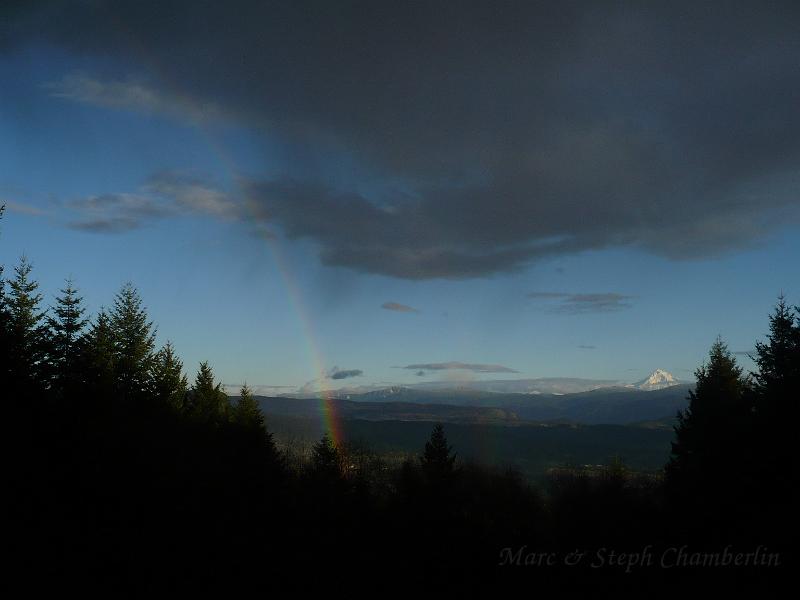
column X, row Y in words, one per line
column 321, row 195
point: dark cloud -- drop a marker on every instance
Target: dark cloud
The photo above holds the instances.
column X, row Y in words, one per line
column 582, row 303
column 459, row 366
column 747, row 353
column 397, row 307
column 587, row 347
column 480, row 136
column 420, row 373
column 345, row 373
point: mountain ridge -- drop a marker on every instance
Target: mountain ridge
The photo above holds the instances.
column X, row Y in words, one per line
column 618, row 405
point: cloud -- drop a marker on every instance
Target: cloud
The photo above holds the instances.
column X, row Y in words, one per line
column 345, row 374
column 193, row 195
column 114, row 213
column 106, row 225
column 133, row 95
column 420, row 373
column 459, row 366
column 164, row 195
column 334, row 374
column 477, row 140
column 24, row 209
column 395, row 306
column 587, row 347
column 574, row 304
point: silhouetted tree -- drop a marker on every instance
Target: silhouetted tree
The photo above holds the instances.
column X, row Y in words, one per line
column 27, row 331
column 246, row 412
column 777, row 402
column 326, row 458
column 207, row 401
column 437, row 460
column 5, row 333
column 98, row 358
column 778, row 360
column 711, row 459
column 168, row 384
column 134, row 341
column 66, row 327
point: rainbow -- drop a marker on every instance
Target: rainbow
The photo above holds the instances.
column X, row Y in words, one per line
column 330, row 419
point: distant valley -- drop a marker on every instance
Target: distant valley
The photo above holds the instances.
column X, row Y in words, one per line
column 531, row 431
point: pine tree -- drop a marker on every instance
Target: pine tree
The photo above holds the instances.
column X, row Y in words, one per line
column 134, row 340
column 5, row 328
column 777, row 403
column 714, row 436
column 27, row 332
column 325, row 458
column 247, row 412
column 5, row 335
column 207, row 400
column 168, row 384
column 437, row 460
column 66, row 327
column 778, row 360
column 97, row 358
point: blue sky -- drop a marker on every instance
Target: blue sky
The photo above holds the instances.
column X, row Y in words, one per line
column 246, row 240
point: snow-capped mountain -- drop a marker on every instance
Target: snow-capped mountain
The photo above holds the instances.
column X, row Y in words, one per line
column 658, row 380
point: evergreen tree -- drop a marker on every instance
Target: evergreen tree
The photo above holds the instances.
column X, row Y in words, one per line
column 207, row 400
column 5, row 333
column 27, row 332
column 326, row 459
column 134, row 340
column 168, row 384
column 778, row 360
column 247, row 412
column 777, row 401
column 712, row 452
column 437, row 460
column 97, row 357
column 66, row 327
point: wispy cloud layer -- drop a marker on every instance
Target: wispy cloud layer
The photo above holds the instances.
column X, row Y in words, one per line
column 132, row 95
column 397, row 307
column 193, row 195
column 23, row 209
column 164, row 195
column 459, row 366
column 115, row 213
column 574, row 304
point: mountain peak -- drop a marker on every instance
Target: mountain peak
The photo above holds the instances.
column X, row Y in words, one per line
column 658, row 379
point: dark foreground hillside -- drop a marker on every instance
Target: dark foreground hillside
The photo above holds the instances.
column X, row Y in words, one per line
column 122, row 479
